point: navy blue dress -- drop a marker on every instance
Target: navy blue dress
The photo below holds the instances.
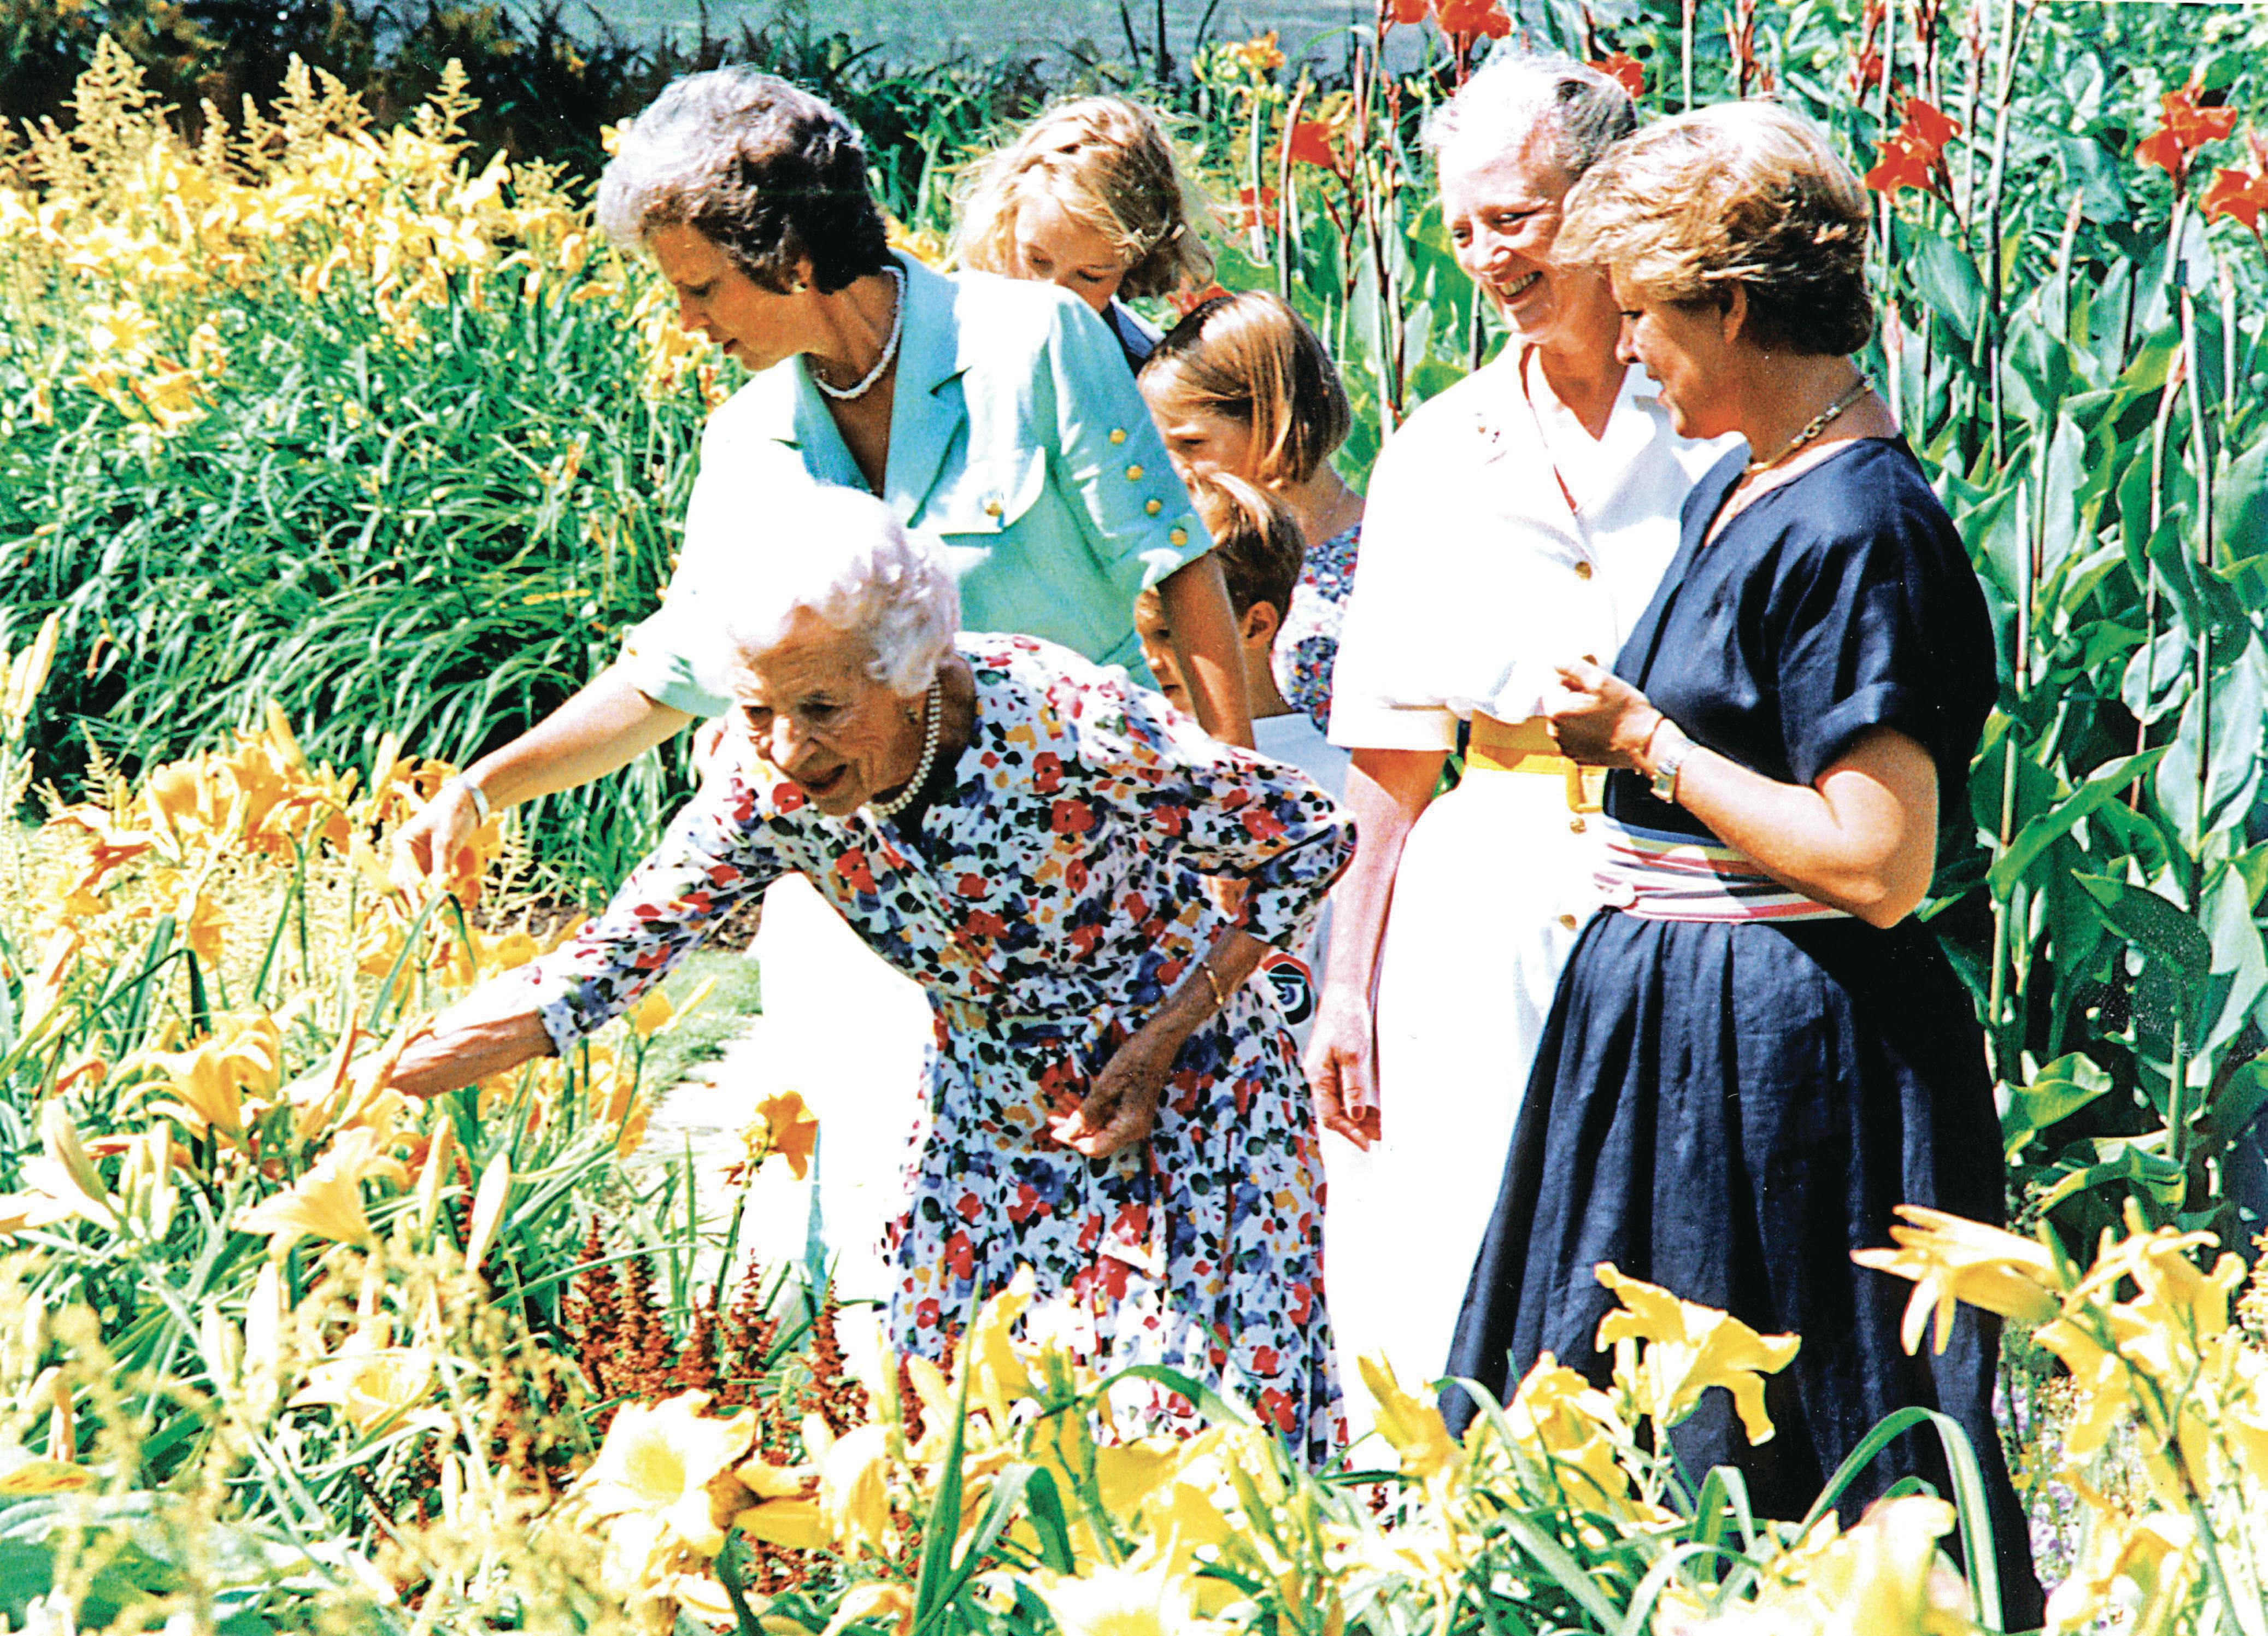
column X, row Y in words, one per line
column 1729, row 1110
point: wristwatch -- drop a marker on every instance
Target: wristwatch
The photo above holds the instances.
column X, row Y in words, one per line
column 1669, row 747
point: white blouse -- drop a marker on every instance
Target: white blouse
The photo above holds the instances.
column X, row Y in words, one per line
column 1477, row 577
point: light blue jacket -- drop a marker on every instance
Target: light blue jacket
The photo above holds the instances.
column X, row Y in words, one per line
column 1017, row 435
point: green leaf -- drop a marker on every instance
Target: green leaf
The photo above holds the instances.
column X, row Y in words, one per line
column 2167, row 933
column 1947, row 280
column 2213, row 766
column 942, row 1527
column 2239, row 1100
column 2240, row 967
column 2059, row 1090
column 2106, row 783
column 2095, row 173
column 2240, row 503
column 2127, row 1160
column 1049, row 1523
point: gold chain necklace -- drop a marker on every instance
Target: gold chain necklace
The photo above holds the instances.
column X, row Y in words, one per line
column 1818, row 423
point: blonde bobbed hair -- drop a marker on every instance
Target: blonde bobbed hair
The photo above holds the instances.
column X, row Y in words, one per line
column 1744, row 195
column 1250, row 358
column 1109, row 164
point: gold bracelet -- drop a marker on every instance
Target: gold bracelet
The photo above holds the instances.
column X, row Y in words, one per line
column 1219, row 1000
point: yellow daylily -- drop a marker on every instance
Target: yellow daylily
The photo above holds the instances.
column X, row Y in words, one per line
column 778, row 1505
column 854, row 1494
column 372, row 1388
column 31, row 1475
column 488, row 1210
column 794, row 1130
column 326, row 1201
column 1883, row 1578
column 1690, row 1348
column 60, row 1182
column 2155, row 1554
column 206, row 1084
column 672, row 1464
column 998, row 1374
column 27, row 673
column 1951, row 1259
column 1416, row 1429
column 864, row 1602
column 1138, row 1597
column 1561, row 1416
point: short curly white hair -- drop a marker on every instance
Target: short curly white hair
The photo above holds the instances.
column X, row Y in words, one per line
column 1521, row 96
column 854, row 564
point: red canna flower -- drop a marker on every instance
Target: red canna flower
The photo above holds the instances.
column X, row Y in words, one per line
column 2240, row 195
column 1248, row 211
column 1913, row 158
column 1902, row 163
column 1405, row 10
column 1927, row 124
column 1623, row 66
column 1311, row 145
column 2185, row 127
column 1463, row 19
column 1183, row 302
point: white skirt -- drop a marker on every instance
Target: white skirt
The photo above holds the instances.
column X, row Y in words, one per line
column 1493, row 885
column 851, row 1035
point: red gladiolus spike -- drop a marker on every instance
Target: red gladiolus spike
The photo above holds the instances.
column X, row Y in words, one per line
column 1627, row 69
column 1927, row 124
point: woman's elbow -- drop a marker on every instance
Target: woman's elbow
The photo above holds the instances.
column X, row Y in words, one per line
column 1885, row 895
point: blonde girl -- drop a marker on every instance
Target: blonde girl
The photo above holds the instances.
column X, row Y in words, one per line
column 1089, row 197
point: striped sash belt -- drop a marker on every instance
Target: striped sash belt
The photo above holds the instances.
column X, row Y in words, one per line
column 1658, row 876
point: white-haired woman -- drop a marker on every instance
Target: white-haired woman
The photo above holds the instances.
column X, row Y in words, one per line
column 1026, row 836
column 995, row 414
column 1520, row 517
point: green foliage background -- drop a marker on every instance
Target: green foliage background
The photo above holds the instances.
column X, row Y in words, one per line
column 370, row 535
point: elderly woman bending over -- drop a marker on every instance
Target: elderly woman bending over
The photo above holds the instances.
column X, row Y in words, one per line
column 1026, row 836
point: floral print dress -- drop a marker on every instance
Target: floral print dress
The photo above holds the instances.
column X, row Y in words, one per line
column 1054, row 900
column 1307, row 643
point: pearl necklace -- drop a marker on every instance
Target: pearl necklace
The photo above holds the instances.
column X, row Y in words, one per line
column 843, row 394
column 1818, row 423
column 934, row 716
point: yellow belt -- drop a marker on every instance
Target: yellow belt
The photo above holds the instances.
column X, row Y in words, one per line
column 1528, row 746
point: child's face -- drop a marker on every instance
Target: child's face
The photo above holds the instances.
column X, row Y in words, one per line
column 1200, row 441
column 1157, row 639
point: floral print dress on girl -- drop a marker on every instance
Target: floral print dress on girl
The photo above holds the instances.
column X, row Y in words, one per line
column 1307, row 643
column 1052, row 899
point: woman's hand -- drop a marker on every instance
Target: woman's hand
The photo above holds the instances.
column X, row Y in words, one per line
column 1123, row 1104
column 1341, row 1064
column 1598, row 719
column 423, row 846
